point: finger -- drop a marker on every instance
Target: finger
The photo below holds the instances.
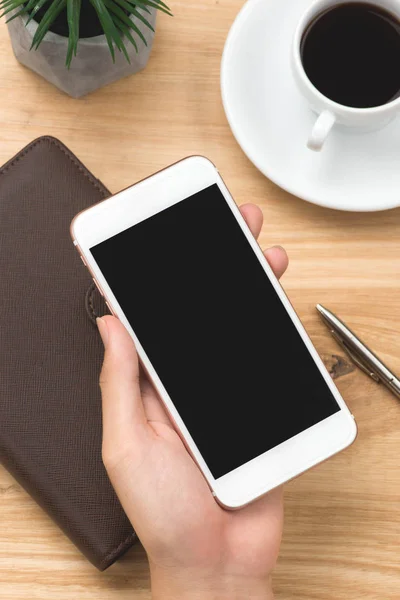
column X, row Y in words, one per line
column 278, row 260
column 254, row 218
column 119, row 382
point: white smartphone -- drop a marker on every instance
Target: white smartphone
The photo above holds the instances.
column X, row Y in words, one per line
column 214, row 330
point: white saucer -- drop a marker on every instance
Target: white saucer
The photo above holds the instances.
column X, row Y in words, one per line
column 271, row 121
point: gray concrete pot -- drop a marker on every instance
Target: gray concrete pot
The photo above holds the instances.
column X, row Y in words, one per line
column 90, row 69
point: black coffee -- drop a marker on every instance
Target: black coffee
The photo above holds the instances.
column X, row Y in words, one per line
column 351, row 53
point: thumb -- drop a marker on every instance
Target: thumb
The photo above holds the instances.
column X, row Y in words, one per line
column 119, row 382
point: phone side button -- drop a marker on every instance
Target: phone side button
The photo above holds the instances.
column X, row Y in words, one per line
column 83, row 260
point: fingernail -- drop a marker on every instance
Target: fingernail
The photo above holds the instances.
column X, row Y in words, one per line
column 103, row 330
column 280, row 248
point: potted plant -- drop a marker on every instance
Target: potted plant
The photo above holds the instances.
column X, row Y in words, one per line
column 81, row 45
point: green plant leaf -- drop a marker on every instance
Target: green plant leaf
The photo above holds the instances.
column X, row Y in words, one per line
column 111, row 13
column 162, row 4
column 73, row 17
column 49, row 16
column 114, row 8
column 37, row 6
column 124, row 18
column 30, row 5
column 17, row 14
column 111, row 25
column 142, row 18
column 100, row 10
column 14, row 5
column 108, row 25
column 140, row 34
column 126, row 32
column 129, row 5
column 125, row 4
column 143, row 3
column 10, row 3
column 159, row 4
column 142, row 6
column 123, row 47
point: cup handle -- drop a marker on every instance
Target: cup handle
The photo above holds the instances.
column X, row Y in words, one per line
column 321, row 129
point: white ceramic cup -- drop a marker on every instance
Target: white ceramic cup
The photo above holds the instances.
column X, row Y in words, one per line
column 330, row 112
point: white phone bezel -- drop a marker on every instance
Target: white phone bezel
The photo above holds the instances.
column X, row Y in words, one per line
column 145, row 199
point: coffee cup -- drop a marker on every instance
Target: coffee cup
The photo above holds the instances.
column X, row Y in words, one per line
column 363, row 105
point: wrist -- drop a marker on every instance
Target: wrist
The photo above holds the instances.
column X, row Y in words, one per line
column 195, row 585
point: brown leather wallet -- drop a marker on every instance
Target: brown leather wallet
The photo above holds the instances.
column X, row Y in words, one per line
column 51, row 353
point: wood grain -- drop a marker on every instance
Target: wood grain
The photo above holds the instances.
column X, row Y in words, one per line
column 342, row 527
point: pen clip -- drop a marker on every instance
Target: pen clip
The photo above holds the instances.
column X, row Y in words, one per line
column 356, row 360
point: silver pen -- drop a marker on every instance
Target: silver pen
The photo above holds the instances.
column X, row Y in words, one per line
column 358, row 352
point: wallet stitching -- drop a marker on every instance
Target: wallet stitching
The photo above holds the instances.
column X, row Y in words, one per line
column 111, row 555
column 91, row 302
column 65, row 151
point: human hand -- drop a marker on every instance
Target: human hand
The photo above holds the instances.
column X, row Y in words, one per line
column 196, row 549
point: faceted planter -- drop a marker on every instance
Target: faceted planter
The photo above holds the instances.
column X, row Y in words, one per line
column 91, row 68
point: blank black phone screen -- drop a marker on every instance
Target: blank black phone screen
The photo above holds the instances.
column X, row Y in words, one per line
column 215, row 330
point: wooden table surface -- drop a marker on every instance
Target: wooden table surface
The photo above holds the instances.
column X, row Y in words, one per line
column 342, row 529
